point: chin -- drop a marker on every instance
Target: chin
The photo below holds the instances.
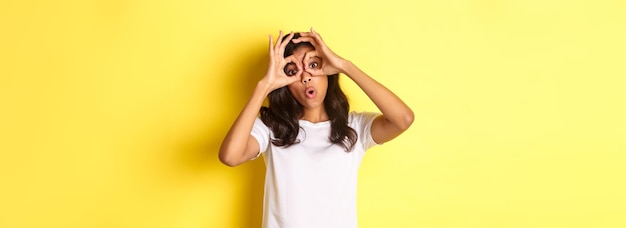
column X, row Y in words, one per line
column 311, row 104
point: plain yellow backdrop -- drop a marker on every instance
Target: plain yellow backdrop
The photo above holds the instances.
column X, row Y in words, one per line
column 112, row 111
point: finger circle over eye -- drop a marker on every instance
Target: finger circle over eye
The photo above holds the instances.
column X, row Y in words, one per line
column 308, row 56
column 293, row 59
column 290, row 69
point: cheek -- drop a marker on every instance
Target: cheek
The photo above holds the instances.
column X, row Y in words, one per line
column 293, row 88
column 322, row 85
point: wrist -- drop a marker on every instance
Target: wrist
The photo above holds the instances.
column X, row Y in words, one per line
column 264, row 87
column 344, row 66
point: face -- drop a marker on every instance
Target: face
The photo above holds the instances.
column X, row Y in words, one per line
column 310, row 90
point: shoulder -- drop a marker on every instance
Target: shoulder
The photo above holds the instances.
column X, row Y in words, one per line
column 260, row 130
column 361, row 122
column 259, row 123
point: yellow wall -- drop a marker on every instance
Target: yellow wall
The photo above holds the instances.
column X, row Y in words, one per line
column 112, row 112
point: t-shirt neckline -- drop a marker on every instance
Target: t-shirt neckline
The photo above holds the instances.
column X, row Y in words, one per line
column 308, row 123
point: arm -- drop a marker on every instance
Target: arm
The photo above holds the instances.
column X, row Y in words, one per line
column 238, row 145
column 396, row 115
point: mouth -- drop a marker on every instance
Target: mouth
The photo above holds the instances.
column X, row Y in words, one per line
column 310, row 92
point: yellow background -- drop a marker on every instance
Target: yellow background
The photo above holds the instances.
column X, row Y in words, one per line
column 112, row 111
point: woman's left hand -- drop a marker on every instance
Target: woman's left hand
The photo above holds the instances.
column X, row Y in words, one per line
column 330, row 62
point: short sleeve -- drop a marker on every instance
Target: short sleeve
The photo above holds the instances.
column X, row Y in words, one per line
column 362, row 124
column 262, row 135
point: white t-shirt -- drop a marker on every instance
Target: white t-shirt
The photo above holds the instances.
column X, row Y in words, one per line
column 312, row 183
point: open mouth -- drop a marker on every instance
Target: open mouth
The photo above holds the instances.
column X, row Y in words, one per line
column 310, row 92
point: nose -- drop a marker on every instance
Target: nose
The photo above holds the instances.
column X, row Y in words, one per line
column 306, row 77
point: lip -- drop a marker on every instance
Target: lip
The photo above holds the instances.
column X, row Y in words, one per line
column 310, row 92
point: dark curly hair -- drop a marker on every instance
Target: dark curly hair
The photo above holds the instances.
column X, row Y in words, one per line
column 284, row 111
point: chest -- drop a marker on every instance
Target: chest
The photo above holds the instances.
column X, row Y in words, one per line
column 313, row 153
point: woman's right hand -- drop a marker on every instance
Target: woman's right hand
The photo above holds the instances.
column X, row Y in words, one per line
column 276, row 77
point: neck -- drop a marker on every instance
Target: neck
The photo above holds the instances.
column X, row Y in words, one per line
column 315, row 115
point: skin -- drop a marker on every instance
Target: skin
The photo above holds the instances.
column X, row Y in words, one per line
column 239, row 146
column 313, row 107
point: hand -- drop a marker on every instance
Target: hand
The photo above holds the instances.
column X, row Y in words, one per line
column 276, row 77
column 331, row 63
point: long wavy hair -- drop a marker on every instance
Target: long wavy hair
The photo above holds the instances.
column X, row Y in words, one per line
column 284, row 111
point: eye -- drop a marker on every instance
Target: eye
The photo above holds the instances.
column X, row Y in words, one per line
column 290, row 69
column 313, row 65
column 291, row 72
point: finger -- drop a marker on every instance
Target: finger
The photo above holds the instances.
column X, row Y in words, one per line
column 310, row 40
column 278, row 41
column 311, row 33
column 295, row 78
column 315, row 33
column 293, row 59
column 286, row 40
column 317, row 36
column 311, row 37
column 304, row 39
column 290, row 66
column 306, row 34
column 284, row 43
column 307, row 58
column 271, row 49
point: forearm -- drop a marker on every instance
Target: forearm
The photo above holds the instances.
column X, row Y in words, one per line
column 233, row 148
column 392, row 107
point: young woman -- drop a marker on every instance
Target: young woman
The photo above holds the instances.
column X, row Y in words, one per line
column 312, row 144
